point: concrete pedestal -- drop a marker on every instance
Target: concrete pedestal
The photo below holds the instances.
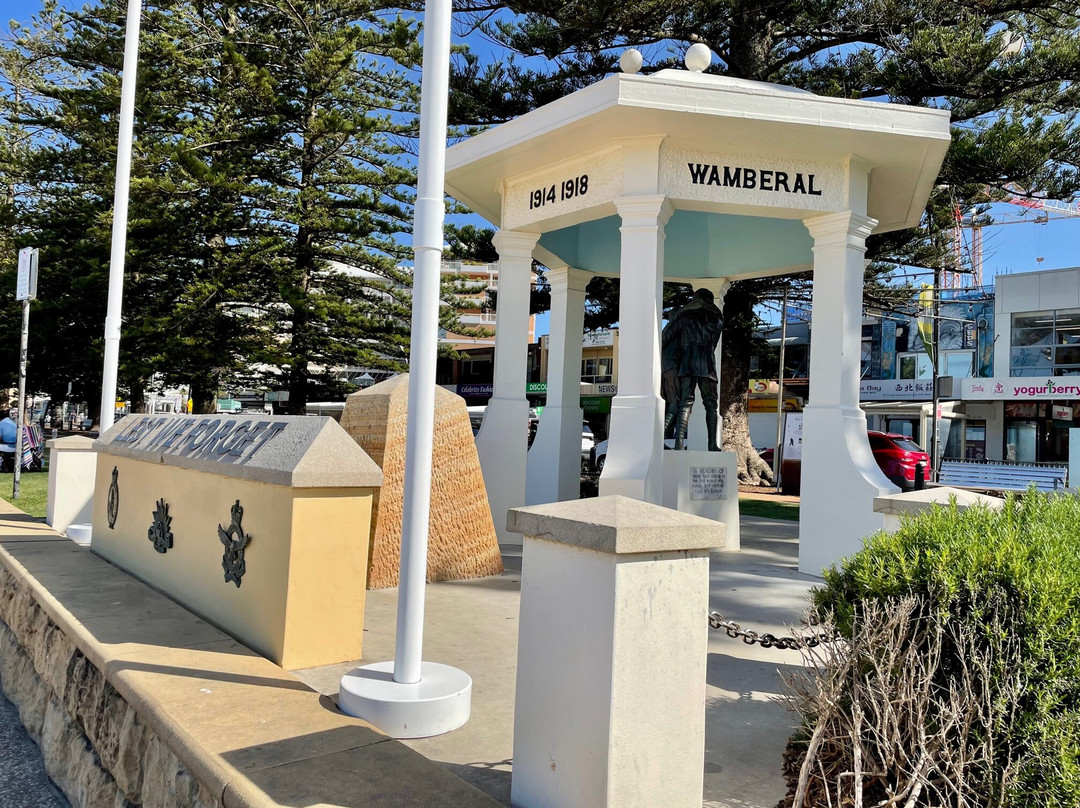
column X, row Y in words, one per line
column 895, row 506
column 612, row 650
column 72, row 466
column 704, row 484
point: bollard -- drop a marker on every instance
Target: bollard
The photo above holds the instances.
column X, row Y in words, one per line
column 612, row 649
column 920, row 476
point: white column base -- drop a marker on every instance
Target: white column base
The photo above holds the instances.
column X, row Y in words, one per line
column 839, row 480
column 439, row 703
column 678, row 494
column 635, row 466
column 501, row 445
column 554, row 463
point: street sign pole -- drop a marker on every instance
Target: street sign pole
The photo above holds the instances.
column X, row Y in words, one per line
column 25, row 290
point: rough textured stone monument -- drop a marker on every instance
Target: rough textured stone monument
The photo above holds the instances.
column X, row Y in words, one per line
column 461, row 541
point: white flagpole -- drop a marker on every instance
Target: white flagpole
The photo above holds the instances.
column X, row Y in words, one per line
column 423, row 698
column 120, row 216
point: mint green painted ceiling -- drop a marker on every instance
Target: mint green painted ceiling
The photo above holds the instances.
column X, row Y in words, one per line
column 696, row 245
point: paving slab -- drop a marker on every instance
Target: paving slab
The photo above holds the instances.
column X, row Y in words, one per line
column 473, row 625
column 241, row 725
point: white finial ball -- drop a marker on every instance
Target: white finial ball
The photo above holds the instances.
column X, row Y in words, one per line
column 630, row 61
column 698, row 57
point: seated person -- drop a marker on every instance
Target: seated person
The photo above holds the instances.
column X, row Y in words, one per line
column 9, row 430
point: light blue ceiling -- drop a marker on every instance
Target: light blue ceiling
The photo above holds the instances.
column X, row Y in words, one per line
column 696, row 245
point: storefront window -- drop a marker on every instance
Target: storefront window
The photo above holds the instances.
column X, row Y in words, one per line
column 952, row 438
column 975, row 440
column 902, row 426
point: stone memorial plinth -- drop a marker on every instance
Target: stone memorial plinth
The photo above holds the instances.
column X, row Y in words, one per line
column 249, row 522
column 909, row 503
column 704, row 484
column 71, row 481
column 612, row 650
column 461, row 536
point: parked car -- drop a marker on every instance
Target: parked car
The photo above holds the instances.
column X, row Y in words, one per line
column 600, row 454
column 588, row 442
column 896, row 455
column 599, row 457
column 476, row 419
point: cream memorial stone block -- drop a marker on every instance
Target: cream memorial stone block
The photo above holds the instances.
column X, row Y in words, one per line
column 704, row 484
column 71, row 481
column 461, row 536
column 249, row 522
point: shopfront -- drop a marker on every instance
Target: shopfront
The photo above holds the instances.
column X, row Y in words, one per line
column 1027, row 421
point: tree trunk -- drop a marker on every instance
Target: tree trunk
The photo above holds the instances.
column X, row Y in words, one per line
column 735, row 385
column 298, row 368
column 751, row 38
column 137, row 395
column 203, row 397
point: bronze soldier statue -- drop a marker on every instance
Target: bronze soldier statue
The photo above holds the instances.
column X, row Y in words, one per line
column 670, row 355
column 695, row 329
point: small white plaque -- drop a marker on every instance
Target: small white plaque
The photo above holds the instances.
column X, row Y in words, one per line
column 708, row 482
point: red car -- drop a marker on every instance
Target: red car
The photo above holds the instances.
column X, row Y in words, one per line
column 896, row 456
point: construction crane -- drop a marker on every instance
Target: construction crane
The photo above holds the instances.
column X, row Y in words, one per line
column 1047, row 209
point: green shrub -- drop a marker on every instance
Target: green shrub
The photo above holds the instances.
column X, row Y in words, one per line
column 991, row 620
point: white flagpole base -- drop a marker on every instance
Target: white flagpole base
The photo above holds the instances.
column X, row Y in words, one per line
column 439, row 703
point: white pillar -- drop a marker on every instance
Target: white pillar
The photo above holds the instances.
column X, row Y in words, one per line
column 554, row 464
column 697, row 434
column 503, row 440
column 839, row 476
column 634, row 465
column 612, row 651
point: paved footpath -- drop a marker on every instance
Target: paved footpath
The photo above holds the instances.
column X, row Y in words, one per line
column 23, row 782
column 473, row 626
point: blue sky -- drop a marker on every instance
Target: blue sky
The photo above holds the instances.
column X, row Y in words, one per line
column 1020, row 247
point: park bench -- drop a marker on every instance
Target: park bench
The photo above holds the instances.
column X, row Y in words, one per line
column 981, row 476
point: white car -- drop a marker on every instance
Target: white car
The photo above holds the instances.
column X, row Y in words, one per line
column 600, row 453
column 588, row 441
column 599, row 456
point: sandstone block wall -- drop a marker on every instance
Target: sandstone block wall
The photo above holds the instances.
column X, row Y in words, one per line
column 96, row 747
column 461, row 541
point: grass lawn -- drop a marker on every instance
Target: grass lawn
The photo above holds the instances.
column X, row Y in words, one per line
column 768, row 510
column 33, row 488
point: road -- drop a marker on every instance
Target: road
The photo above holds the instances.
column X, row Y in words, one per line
column 23, row 782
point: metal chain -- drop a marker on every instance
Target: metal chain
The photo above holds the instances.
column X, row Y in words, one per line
column 766, row 640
